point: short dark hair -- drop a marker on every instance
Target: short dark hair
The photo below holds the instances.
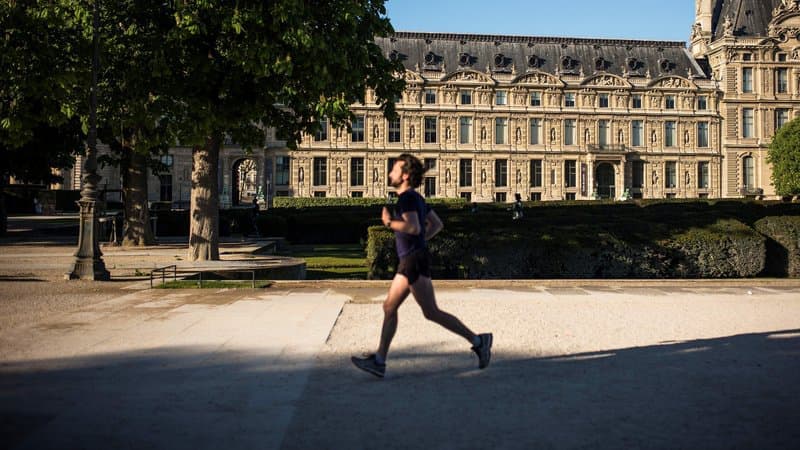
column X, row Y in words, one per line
column 414, row 168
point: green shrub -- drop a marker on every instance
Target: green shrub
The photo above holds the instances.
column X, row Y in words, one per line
column 271, row 225
column 783, row 244
column 381, row 257
column 725, row 249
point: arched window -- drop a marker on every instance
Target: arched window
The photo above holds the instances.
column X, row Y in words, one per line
column 748, row 172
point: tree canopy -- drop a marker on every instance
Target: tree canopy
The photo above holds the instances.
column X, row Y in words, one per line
column 784, row 156
column 42, row 88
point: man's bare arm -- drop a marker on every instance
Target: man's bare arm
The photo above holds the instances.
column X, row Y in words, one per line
column 433, row 225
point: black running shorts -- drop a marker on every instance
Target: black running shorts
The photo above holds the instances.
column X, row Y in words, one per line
column 415, row 264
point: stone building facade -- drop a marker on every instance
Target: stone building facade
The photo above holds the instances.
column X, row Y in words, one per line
column 551, row 118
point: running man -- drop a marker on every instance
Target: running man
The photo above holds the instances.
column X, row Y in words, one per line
column 415, row 224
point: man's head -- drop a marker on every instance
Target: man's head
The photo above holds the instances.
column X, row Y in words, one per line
column 407, row 168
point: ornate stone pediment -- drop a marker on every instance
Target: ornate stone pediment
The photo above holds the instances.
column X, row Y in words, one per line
column 672, row 82
column 469, row 76
column 412, row 77
column 605, row 80
column 785, row 23
column 538, row 79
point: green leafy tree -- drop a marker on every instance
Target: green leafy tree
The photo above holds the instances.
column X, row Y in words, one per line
column 248, row 65
column 784, row 156
column 42, row 53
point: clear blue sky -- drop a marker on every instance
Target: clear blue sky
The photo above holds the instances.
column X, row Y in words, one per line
column 666, row 20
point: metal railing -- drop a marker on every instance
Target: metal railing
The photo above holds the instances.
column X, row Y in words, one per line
column 163, row 271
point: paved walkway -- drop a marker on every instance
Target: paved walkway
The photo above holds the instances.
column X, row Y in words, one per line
column 576, row 365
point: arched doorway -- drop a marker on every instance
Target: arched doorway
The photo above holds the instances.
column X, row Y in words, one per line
column 604, row 177
column 244, row 182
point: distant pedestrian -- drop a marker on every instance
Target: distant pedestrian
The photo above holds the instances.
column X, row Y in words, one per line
column 254, row 217
column 414, row 224
column 517, row 208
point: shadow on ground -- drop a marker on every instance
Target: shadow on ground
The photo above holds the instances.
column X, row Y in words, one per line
column 732, row 392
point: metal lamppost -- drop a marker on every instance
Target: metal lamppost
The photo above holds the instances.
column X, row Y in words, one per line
column 88, row 264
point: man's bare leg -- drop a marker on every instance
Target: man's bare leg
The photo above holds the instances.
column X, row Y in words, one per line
column 398, row 292
column 425, row 296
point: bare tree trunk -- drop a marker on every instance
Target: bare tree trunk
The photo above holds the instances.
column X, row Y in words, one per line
column 136, row 231
column 204, row 210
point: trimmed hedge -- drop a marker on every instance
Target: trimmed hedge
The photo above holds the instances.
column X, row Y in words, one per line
column 316, row 202
column 783, row 244
column 597, row 241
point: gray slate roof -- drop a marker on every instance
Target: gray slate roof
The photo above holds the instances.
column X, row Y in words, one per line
column 429, row 51
column 750, row 17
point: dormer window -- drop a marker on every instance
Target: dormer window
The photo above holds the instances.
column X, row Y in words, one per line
column 533, row 61
column 499, row 60
column 464, row 60
column 566, row 62
column 665, row 65
column 599, row 64
column 432, row 61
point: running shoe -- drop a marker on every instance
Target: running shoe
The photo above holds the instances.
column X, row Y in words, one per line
column 484, row 351
column 369, row 364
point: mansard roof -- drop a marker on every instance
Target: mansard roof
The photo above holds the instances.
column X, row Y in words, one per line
column 749, row 17
column 447, row 53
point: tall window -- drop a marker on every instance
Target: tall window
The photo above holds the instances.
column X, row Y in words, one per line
column 603, row 100
column 535, row 131
column 637, row 133
column 465, row 130
column 670, row 134
column 356, row 171
column 430, row 186
column 570, row 173
column 702, row 175
column 637, row 101
column 781, row 81
column 281, row 170
column 430, row 96
column 322, row 133
column 501, row 98
column 702, row 102
column 747, row 80
column 358, row 129
column 389, row 165
column 536, row 173
column 394, row 130
column 500, row 128
column 781, row 117
column 569, row 100
column 465, row 173
column 671, row 174
column 638, row 174
column 466, row 97
column 747, row 123
column 569, row 132
column 602, row 133
column 165, row 193
column 748, row 172
column 702, row 134
column 501, row 172
column 536, row 99
column 320, row 171
column 430, row 130
column 669, row 102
